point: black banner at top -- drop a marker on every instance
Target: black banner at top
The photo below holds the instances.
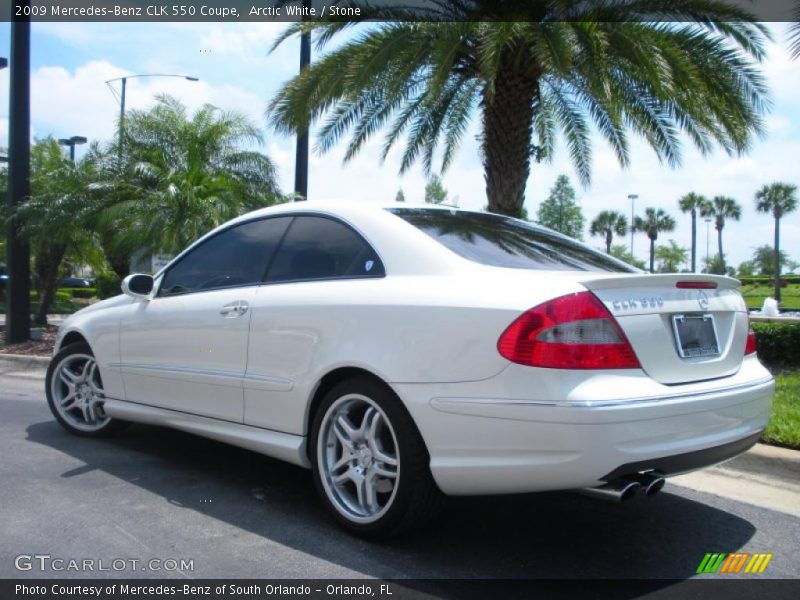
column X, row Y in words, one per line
column 232, row 11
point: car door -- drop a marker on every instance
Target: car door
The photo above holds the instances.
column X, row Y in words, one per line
column 299, row 315
column 186, row 348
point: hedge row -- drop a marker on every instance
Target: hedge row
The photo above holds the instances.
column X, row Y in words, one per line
column 80, row 292
column 778, row 343
column 768, row 280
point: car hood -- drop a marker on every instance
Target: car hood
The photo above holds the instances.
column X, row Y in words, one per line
column 120, row 300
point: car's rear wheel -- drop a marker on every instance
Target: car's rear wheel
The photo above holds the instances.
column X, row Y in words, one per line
column 369, row 461
column 75, row 393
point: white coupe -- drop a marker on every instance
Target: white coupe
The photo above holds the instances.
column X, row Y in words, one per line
column 405, row 353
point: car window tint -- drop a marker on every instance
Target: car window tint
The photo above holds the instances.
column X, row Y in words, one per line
column 323, row 248
column 500, row 241
column 234, row 257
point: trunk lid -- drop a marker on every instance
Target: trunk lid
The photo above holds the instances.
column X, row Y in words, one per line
column 647, row 307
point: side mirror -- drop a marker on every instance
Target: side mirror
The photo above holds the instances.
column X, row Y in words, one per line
column 138, row 285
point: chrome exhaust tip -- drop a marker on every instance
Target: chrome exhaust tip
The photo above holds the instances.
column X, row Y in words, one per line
column 651, row 483
column 619, row 490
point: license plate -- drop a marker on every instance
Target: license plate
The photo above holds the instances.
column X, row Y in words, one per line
column 696, row 335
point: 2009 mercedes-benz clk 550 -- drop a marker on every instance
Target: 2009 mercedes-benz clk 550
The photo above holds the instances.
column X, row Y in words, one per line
column 405, row 353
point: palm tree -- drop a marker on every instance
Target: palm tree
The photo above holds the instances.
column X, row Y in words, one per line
column 534, row 70
column 794, row 33
column 691, row 203
column 54, row 218
column 778, row 199
column 721, row 208
column 607, row 224
column 655, row 221
column 182, row 175
column 671, row 257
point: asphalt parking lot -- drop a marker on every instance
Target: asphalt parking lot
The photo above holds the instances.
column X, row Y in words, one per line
column 152, row 493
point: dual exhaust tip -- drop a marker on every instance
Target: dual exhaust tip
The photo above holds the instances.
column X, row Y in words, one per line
column 625, row 488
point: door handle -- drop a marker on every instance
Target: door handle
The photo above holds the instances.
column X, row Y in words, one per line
column 234, row 309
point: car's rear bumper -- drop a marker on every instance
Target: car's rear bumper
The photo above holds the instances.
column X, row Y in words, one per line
column 482, row 444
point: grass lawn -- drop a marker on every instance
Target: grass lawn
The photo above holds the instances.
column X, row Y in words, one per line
column 754, row 295
column 784, row 426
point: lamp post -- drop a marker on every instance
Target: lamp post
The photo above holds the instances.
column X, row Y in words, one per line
column 632, row 198
column 72, row 142
column 18, row 303
column 301, row 155
column 123, row 87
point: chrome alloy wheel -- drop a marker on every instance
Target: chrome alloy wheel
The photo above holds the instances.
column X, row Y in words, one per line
column 358, row 456
column 77, row 392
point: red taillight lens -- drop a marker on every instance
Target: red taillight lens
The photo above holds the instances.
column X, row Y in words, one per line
column 750, row 344
column 570, row 332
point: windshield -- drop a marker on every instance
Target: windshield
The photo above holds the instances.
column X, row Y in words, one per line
column 500, row 241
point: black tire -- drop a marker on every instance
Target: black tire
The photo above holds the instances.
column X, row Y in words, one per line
column 108, row 426
column 414, row 500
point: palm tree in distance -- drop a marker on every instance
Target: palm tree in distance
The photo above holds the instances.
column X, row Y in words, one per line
column 655, row 221
column 692, row 203
column 608, row 224
column 778, row 199
column 536, row 72
column 182, row 175
column 721, row 209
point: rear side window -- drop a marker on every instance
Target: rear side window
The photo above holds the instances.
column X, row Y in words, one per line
column 323, row 248
column 500, row 241
column 234, row 257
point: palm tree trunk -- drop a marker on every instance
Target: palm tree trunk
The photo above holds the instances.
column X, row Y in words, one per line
column 609, row 239
column 507, row 133
column 721, row 256
column 778, row 259
column 694, row 241
column 652, row 254
column 48, row 263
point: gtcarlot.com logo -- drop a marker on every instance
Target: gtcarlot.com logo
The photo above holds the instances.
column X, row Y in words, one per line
column 46, row 562
column 735, row 562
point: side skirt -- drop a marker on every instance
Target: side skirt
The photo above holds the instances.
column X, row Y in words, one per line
column 283, row 446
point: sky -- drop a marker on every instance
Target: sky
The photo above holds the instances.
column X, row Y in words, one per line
column 72, row 61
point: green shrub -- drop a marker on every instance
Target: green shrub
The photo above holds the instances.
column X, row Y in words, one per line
column 778, row 343
column 81, row 292
column 107, row 285
column 769, row 280
column 61, row 295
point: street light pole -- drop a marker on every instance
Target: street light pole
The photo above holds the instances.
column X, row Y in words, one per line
column 72, row 142
column 18, row 302
column 301, row 155
column 123, row 89
column 632, row 197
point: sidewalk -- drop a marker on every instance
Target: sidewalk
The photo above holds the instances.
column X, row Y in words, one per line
column 766, row 476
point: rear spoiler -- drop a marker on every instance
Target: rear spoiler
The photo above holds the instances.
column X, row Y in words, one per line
column 604, row 282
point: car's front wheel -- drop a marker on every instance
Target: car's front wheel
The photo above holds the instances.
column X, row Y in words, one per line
column 369, row 461
column 75, row 393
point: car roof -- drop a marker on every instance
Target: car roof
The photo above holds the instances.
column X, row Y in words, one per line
column 404, row 249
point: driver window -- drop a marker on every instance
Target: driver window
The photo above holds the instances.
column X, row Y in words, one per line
column 235, row 257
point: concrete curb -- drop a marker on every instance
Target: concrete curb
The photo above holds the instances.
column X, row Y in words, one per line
column 24, row 361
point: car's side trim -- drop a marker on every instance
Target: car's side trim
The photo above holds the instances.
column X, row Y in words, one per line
column 442, row 403
column 212, row 377
column 228, row 378
column 267, row 383
column 283, row 446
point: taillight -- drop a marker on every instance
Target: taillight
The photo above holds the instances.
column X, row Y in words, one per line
column 750, row 343
column 571, row 332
